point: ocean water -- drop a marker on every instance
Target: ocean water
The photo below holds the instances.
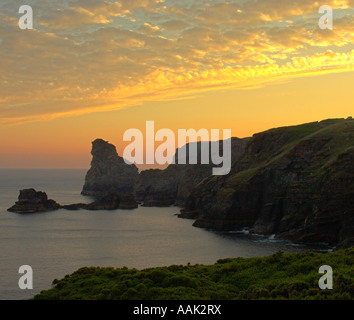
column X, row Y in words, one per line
column 58, row 243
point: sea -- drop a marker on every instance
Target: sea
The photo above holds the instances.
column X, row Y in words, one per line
column 58, row 243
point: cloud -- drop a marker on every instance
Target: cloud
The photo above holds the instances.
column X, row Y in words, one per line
column 94, row 55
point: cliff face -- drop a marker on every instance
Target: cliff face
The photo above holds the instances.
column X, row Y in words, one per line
column 152, row 187
column 174, row 184
column 108, row 170
column 295, row 182
column 157, row 188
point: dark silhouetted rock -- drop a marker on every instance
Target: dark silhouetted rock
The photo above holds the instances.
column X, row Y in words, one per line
column 74, row 207
column 112, row 201
column 172, row 186
column 108, row 170
column 30, row 201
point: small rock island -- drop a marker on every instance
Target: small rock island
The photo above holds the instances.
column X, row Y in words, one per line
column 110, row 181
column 32, row 201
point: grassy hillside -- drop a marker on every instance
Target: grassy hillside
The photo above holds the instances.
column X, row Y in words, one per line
column 280, row 276
column 271, row 147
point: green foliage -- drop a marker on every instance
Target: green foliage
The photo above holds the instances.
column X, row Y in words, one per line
column 329, row 164
column 279, row 276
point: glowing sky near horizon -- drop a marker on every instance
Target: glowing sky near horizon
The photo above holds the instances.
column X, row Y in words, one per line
column 94, row 68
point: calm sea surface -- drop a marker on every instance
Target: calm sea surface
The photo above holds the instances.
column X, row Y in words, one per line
column 58, row 243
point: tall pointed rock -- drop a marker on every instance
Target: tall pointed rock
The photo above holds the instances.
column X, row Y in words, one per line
column 108, row 170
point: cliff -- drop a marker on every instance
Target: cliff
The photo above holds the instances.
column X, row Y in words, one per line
column 296, row 182
column 174, row 184
column 293, row 182
column 108, row 170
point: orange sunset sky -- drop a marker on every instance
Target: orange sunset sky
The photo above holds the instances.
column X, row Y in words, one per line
column 94, row 69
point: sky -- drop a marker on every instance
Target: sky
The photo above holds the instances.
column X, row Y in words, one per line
column 95, row 68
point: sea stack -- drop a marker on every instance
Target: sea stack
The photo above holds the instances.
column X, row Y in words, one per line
column 109, row 171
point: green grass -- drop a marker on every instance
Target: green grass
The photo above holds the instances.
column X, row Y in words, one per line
column 279, row 276
column 285, row 140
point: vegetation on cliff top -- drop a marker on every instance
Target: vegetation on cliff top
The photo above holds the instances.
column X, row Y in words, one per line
column 279, row 276
column 296, row 182
column 275, row 144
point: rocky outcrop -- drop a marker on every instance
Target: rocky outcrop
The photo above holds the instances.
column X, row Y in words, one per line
column 108, row 170
column 112, row 200
column 151, row 187
column 30, row 201
column 295, row 182
column 174, row 184
column 157, row 188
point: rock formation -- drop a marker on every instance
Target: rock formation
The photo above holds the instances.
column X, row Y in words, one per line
column 108, row 170
column 30, row 201
column 112, row 201
column 151, row 187
column 174, row 184
column 296, row 182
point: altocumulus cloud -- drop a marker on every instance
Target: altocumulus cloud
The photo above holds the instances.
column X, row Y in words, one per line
column 94, row 55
